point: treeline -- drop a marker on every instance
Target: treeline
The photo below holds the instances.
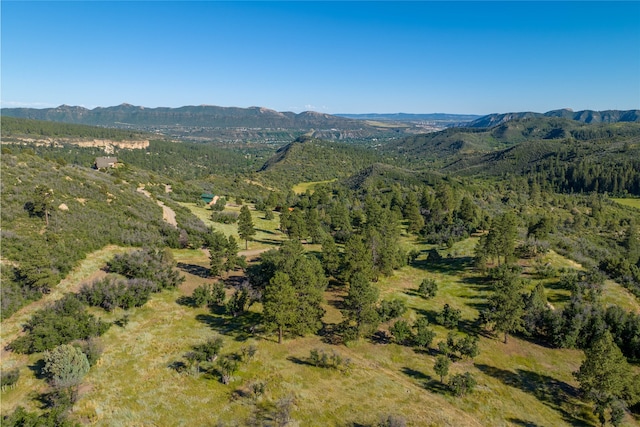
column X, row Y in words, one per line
column 619, row 176
column 13, row 127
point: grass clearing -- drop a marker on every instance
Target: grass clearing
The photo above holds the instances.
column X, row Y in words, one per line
column 302, row 187
column 634, row 203
column 267, row 231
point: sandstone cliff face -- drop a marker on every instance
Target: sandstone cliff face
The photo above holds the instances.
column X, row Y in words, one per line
column 107, row 145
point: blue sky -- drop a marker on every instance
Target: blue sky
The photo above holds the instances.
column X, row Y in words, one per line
column 335, row 57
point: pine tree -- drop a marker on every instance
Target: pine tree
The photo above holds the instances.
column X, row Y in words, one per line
column 245, row 225
column 361, row 302
column 280, row 303
column 441, row 366
column 605, row 376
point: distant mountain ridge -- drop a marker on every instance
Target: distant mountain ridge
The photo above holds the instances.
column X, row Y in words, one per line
column 209, row 122
column 584, row 116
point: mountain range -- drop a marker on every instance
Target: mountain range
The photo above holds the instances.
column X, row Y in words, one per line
column 584, row 116
column 258, row 124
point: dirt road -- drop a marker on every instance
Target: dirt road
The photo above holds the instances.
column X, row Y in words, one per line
column 168, row 214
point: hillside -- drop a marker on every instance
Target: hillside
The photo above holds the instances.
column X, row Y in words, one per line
column 311, row 159
column 482, row 149
column 45, row 133
column 211, row 122
column 54, row 214
column 585, row 116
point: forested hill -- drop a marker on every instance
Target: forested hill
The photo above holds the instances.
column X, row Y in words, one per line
column 17, row 128
column 311, row 159
column 190, row 116
column 585, row 116
column 569, row 155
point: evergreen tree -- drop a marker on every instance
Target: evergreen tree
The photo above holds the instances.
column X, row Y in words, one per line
column 357, row 259
column 605, row 377
column 361, row 302
column 412, row 214
column 231, row 253
column 65, row 366
column 330, row 256
column 441, row 366
column 506, row 305
column 280, row 303
column 245, row 225
column 217, row 251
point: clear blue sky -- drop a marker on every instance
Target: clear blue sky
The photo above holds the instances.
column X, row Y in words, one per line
column 335, row 57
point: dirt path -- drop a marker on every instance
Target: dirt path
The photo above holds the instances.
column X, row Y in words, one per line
column 168, row 214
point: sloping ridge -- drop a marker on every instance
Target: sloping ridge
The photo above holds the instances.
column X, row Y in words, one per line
column 584, row 116
column 202, row 115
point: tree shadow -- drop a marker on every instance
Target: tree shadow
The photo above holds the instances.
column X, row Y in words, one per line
column 234, row 281
column 444, row 265
column 241, row 328
column 299, row 361
column 273, row 233
column 416, row 375
column 426, row 381
column 556, row 394
column 380, row 337
column 186, row 301
column 195, row 269
column 37, row 369
column 522, row 423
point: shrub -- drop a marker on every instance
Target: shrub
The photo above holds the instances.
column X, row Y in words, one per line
column 9, row 378
column 224, row 217
column 461, row 384
column 449, row 317
column 401, row 331
column 391, row 309
column 61, row 323
column 333, row 360
column 428, row 288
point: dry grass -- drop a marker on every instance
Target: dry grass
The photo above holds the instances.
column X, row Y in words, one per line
column 519, row 383
column 302, row 187
column 634, row 203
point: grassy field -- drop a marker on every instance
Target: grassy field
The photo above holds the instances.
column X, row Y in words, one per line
column 302, row 187
column 136, row 383
column 267, row 233
column 634, row 203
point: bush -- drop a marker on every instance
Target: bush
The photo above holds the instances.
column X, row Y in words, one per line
column 151, row 264
column 461, row 384
column 208, row 294
column 333, row 360
column 111, row 293
column 9, row 378
column 428, row 288
column 92, row 348
column 225, row 217
column 449, row 317
column 61, row 323
column 401, row 332
column 391, row 309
